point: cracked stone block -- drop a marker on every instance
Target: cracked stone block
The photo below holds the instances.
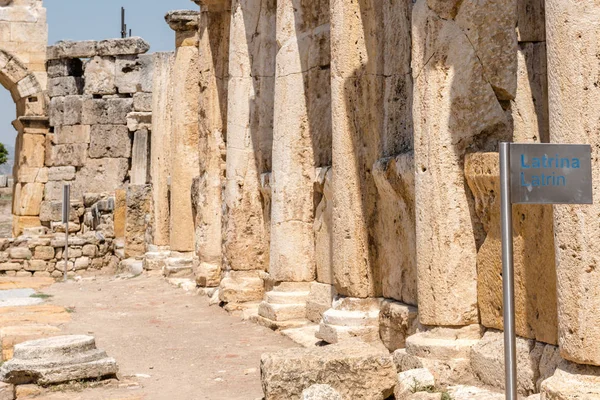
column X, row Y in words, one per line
column 106, row 111
column 66, row 49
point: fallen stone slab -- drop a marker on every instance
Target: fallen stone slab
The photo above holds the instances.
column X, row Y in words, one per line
column 356, row 370
column 25, row 283
column 57, row 359
column 13, row 335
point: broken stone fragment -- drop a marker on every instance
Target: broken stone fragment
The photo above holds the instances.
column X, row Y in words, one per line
column 411, row 381
column 356, row 370
column 57, row 359
column 127, row 46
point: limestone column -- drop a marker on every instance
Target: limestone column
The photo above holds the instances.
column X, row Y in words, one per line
column 213, row 31
column 301, row 139
column 249, row 139
column 185, row 129
column 160, row 163
column 573, row 45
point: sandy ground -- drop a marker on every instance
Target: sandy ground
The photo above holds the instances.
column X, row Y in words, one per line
column 184, row 349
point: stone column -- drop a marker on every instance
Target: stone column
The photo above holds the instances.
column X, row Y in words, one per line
column 301, row 140
column 214, row 53
column 160, row 163
column 252, row 50
column 573, row 37
column 184, row 135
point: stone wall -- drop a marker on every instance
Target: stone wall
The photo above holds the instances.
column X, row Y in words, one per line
column 100, row 116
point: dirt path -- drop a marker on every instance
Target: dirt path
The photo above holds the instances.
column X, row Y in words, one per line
column 189, row 350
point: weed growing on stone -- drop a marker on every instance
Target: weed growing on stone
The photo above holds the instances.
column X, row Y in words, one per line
column 429, row 389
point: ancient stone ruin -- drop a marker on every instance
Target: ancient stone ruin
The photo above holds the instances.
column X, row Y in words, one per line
column 328, row 169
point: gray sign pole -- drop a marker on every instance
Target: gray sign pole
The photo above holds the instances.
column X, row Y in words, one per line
column 508, row 285
column 65, row 219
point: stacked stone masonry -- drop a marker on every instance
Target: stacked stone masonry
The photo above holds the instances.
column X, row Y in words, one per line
column 328, row 166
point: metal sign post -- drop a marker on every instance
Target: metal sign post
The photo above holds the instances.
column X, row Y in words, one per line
column 534, row 173
column 508, row 282
column 66, row 209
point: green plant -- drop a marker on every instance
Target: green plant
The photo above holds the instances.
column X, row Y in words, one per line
column 41, row 296
column 3, row 154
column 417, row 387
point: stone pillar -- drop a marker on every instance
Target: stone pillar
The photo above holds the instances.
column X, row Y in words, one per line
column 252, row 50
column 214, row 55
column 184, row 135
column 463, row 66
column 160, row 157
column 572, row 38
column 301, row 143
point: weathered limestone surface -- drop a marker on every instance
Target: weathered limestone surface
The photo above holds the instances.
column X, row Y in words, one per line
column 395, row 180
column 370, row 46
column 184, row 143
column 323, row 226
column 574, row 104
column 535, row 273
column 455, row 108
column 301, row 136
column 100, row 76
column 109, row 141
column 320, row 392
column 140, row 157
column 161, row 145
column 214, row 48
column 249, row 134
column 57, row 359
column 356, row 370
column 571, row 382
column 409, row 381
column 397, row 321
column 487, row 358
column 138, row 219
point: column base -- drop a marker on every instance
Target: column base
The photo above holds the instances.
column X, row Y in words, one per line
column 572, row 382
column 284, row 306
column 443, row 351
column 351, row 318
column 241, row 287
column 154, row 259
column 180, row 265
column 208, row 275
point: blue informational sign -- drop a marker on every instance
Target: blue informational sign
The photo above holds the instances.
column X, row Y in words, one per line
column 550, row 173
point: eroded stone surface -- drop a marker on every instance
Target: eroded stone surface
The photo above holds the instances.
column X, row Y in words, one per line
column 361, row 371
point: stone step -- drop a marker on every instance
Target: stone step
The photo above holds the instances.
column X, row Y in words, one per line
column 57, row 359
column 356, row 304
column 278, row 325
column 351, row 318
column 337, row 333
column 177, row 272
column 304, row 336
column 282, row 312
column 420, row 345
column 274, row 297
column 131, row 266
column 291, row 287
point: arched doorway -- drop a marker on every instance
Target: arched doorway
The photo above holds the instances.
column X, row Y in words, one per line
column 32, row 126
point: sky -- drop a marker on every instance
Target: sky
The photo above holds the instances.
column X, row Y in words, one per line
column 97, row 20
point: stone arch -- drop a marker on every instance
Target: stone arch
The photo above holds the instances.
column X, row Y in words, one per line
column 32, row 126
column 23, row 86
